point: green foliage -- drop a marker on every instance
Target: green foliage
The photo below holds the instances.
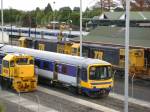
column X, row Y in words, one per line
column 48, row 9
column 44, row 16
column 77, row 9
column 75, row 17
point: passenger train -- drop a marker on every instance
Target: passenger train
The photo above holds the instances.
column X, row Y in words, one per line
column 40, row 32
column 92, row 77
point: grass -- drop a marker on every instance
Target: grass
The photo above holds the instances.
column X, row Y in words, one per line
column 1, row 108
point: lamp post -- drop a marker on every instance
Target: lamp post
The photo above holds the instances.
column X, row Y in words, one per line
column 11, row 23
column 35, row 22
column 53, row 16
column 29, row 25
column 2, row 21
column 81, row 28
column 127, row 55
column 70, row 28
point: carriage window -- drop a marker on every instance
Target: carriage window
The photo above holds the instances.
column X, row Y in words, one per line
column 37, row 63
column 64, row 69
column 22, row 61
column 12, row 64
column 5, row 64
column 84, row 74
column 31, row 62
column 122, row 57
column 74, row 50
column 46, row 65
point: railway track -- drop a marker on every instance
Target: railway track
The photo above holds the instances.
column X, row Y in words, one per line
column 63, row 101
column 109, row 102
column 60, row 99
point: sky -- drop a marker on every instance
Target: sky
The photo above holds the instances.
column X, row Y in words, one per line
column 28, row 5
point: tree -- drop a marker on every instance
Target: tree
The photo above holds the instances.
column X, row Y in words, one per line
column 65, row 13
column 38, row 9
column 48, row 9
column 77, row 9
column 75, row 17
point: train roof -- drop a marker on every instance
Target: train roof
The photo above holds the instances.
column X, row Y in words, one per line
column 56, row 31
column 50, row 56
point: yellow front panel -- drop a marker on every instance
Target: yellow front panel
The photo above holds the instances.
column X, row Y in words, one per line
column 102, row 84
column 25, row 70
column 85, row 84
column 137, row 57
column 97, row 84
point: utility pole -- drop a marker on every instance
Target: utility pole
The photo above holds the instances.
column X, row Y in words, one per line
column 11, row 24
column 2, row 21
column 127, row 55
column 101, row 5
column 29, row 25
column 80, row 28
column 109, row 4
column 53, row 16
column 35, row 22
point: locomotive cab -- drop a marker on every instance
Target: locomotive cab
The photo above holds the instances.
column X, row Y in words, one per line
column 97, row 80
column 75, row 49
column 25, row 42
column 18, row 72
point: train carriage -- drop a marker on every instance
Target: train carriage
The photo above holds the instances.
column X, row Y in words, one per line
column 90, row 76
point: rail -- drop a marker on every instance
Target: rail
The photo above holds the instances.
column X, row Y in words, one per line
column 37, row 100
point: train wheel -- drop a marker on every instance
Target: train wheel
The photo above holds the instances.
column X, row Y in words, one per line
column 104, row 95
column 52, row 83
column 1, row 82
column 73, row 90
column 92, row 95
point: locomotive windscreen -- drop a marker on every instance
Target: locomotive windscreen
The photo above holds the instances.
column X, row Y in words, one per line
column 99, row 72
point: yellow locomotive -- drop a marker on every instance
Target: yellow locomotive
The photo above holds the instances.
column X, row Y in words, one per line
column 18, row 72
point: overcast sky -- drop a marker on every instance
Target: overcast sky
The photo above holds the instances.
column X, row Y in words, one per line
column 32, row 4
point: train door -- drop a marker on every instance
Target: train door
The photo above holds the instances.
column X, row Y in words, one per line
column 55, row 73
column 78, row 76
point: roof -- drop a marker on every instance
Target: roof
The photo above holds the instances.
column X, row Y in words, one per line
column 113, row 15
column 139, row 37
column 8, row 57
column 11, row 56
column 134, row 15
column 22, row 38
column 51, row 56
